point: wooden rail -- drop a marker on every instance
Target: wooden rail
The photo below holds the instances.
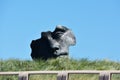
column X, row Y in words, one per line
column 62, row 75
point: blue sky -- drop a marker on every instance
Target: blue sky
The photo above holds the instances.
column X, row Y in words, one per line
column 95, row 23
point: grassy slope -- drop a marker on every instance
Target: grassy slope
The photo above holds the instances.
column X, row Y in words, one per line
column 57, row 64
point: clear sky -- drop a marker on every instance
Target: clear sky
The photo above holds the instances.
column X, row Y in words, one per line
column 95, row 23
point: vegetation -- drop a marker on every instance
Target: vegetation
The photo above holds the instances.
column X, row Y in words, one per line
column 58, row 64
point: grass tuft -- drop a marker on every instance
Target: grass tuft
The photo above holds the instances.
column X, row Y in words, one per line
column 58, row 64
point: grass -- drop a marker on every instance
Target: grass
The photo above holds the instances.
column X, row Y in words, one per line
column 58, row 64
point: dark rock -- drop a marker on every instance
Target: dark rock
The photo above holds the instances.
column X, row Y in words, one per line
column 53, row 44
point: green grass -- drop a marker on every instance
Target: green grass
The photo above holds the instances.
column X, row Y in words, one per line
column 58, row 64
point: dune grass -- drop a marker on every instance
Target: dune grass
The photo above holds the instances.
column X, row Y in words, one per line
column 58, row 64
